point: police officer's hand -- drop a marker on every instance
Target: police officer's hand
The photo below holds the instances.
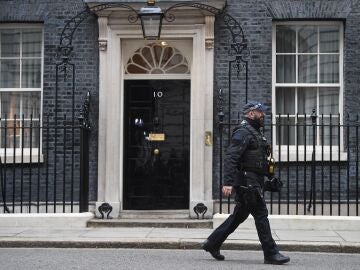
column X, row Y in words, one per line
column 227, row 190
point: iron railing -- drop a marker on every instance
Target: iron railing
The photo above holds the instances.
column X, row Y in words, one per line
column 317, row 158
column 44, row 167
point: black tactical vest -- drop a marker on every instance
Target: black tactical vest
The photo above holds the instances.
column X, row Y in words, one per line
column 255, row 158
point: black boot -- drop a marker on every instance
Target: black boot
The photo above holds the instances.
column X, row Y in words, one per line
column 213, row 251
column 277, row 258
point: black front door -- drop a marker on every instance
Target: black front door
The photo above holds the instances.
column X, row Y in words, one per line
column 156, row 144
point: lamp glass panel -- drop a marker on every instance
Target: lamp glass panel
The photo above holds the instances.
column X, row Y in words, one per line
column 151, row 26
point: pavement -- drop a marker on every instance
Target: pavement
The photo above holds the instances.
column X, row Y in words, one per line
column 339, row 241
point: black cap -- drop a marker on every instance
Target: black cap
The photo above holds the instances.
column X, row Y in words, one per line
column 254, row 105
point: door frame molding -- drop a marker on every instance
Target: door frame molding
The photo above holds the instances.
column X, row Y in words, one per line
column 111, row 113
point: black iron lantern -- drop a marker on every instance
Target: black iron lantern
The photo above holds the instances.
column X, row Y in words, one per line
column 151, row 20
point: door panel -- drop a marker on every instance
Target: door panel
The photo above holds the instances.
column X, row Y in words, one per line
column 156, row 173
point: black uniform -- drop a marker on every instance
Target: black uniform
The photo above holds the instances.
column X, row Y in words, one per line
column 245, row 168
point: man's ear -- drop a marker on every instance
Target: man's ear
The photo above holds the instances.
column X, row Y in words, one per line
column 251, row 114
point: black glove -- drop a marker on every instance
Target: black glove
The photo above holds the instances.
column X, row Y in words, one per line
column 273, row 185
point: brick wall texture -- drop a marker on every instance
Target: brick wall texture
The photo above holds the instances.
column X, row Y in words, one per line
column 255, row 17
column 53, row 15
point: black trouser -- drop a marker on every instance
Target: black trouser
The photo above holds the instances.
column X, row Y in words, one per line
column 249, row 202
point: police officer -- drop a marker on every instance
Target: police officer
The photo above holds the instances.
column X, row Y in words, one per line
column 246, row 164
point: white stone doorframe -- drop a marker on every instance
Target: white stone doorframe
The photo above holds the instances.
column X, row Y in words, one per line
column 111, row 78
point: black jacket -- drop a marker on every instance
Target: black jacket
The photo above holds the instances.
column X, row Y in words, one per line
column 240, row 153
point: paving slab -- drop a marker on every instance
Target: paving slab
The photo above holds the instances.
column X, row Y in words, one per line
column 350, row 236
column 11, row 231
column 248, row 235
column 50, row 233
column 308, row 235
column 179, row 233
column 117, row 233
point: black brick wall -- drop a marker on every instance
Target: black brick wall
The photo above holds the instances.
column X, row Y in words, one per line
column 256, row 17
column 53, row 14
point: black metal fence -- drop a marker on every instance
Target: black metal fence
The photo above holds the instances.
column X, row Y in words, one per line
column 317, row 158
column 44, row 167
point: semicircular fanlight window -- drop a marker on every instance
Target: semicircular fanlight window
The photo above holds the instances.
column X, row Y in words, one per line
column 157, row 59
